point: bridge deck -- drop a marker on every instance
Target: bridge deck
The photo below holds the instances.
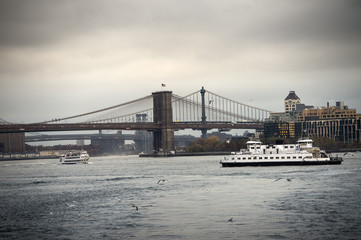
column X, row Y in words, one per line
column 124, row 126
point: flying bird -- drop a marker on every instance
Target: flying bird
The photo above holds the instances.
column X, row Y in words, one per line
column 135, row 206
column 288, row 179
column 160, row 180
column 118, row 199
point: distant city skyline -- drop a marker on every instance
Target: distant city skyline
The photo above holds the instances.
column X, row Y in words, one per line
column 61, row 58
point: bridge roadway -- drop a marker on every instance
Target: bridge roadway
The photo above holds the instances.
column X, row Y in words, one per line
column 16, row 128
column 103, row 136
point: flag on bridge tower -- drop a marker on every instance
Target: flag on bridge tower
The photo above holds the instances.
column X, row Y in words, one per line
column 163, row 85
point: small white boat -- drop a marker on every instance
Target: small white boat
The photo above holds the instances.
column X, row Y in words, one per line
column 302, row 153
column 74, row 158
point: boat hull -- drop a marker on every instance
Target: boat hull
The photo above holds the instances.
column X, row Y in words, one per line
column 302, row 153
column 274, row 163
column 73, row 161
column 74, row 158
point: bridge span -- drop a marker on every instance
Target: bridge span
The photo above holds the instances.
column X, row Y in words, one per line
column 201, row 110
column 17, row 128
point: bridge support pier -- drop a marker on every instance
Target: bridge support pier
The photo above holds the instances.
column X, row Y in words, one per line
column 12, row 142
column 162, row 113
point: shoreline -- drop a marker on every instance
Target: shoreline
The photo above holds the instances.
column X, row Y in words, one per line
column 184, row 154
column 178, row 154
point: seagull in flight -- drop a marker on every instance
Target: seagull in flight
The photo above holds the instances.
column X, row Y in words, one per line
column 135, row 206
column 160, row 180
column 118, row 199
column 288, row 179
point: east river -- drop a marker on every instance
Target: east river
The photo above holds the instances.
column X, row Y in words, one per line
column 119, row 197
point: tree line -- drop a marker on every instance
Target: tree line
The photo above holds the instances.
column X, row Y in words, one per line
column 213, row 144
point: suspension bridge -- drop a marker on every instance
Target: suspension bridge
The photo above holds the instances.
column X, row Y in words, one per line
column 161, row 113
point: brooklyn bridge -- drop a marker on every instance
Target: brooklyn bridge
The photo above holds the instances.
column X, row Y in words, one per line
column 161, row 113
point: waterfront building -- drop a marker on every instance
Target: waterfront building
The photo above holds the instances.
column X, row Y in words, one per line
column 340, row 111
column 291, row 101
column 346, row 130
column 335, row 122
column 293, row 108
column 281, row 117
column 283, row 130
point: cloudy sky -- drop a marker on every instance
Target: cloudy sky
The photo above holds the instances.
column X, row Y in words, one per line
column 59, row 58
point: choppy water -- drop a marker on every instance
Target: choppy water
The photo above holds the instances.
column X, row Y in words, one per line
column 41, row 199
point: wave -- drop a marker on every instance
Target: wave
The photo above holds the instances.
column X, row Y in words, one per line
column 123, row 178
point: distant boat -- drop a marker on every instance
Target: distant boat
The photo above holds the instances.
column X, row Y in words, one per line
column 74, row 158
column 302, row 153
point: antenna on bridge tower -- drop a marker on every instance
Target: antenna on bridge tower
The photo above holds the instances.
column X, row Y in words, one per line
column 204, row 117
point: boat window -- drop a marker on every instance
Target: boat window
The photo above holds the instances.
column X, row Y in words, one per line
column 291, row 146
column 233, row 158
column 288, row 157
column 255, row 158
column 294, row 157
column 270, row 157
column 258, row 147
column 239, row 158
column 265, row 157
column 300, row 157
column 252, row 147
column 244, row 158
column 249, row 158
column 260, row 158
column 277, row 158
column 286, row 146
column 282, row 157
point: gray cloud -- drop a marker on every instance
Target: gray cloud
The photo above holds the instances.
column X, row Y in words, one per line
column 245, row 49
column 41, row 21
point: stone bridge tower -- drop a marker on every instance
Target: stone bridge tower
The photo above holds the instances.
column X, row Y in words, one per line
column 162, row 113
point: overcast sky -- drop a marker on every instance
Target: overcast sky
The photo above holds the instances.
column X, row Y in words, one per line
column 59, row 58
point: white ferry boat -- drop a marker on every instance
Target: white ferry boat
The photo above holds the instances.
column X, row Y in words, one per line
column 302, row 153
column 74, row 158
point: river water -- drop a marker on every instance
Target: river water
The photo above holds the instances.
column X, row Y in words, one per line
column 41, row 199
